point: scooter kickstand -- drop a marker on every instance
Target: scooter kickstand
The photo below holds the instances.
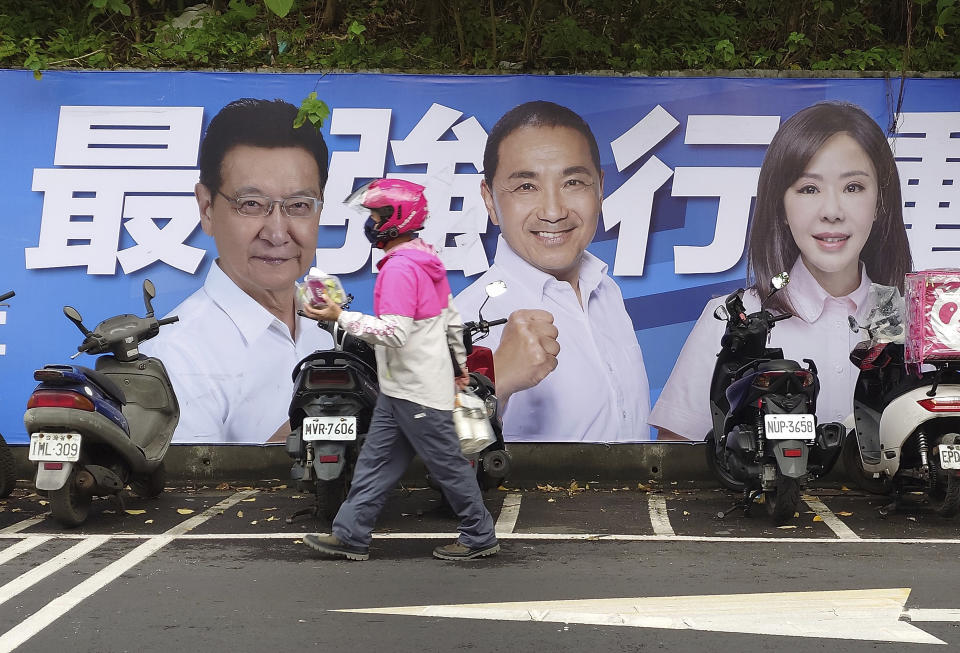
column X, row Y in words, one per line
column 744, row 504
column 312, row 510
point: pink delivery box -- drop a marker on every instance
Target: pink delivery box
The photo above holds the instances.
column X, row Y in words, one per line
column 933, row 315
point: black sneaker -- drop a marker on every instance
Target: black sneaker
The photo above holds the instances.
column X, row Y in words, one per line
column 331, row 545
column 458, row 551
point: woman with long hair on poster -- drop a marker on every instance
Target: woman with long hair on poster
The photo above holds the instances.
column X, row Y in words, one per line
column 829, row 212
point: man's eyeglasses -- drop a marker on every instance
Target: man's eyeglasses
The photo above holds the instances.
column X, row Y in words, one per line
column 259, row 206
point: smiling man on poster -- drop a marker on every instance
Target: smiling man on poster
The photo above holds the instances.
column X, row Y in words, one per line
column 239, row 337
column 567, row 363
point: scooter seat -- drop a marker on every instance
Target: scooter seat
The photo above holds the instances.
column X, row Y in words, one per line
column 108, row 386
column 778, row 366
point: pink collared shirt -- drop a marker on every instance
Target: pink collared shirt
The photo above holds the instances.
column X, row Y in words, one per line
column 819, row 331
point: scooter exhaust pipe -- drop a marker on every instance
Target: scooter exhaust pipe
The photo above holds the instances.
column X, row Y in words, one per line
column 85, row 481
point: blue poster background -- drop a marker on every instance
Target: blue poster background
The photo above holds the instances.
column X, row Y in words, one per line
column 662, row 304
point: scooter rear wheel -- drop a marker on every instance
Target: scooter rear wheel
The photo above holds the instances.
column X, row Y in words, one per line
column 783, row 502
column 8, row 474
column 330, row 496
column 718, row 468
column 69, row 505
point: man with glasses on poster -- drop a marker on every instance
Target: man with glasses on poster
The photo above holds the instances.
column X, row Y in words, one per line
column 239, row 336
column 543, row 186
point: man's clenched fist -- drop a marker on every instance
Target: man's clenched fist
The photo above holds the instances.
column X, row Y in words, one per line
column 527, row 352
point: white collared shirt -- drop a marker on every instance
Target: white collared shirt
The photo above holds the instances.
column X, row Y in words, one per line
column 819, row 331
column 599, row 391
column 230, row 362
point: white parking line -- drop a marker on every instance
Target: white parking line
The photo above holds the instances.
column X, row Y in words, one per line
column 833, row 522
column 658, row 515
column 25, row 524
column 65, row 602
column 22, row 546
column 507, row 520
column 28, row 579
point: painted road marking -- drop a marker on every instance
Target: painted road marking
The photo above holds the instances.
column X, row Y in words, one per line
column 555, row 537
column 932, row 614
column 38, row 573
column 25, row 524
column 67, row 601
column 658, row 515
column 869, row 615
column 833, row 522
column 507, row 520
column 22, row 546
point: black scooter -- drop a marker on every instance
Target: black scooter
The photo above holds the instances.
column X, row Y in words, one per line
column 765, row 439
column 8, row 473
column 333, row 400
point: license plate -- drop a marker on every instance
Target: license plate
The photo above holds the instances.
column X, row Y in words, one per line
column 329, row 428
column 55, row 447
column 949, row 456
column 790, row 427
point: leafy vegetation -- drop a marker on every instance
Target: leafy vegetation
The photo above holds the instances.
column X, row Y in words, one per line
column 645, row 36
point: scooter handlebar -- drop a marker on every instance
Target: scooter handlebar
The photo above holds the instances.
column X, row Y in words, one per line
column 168, row 320
column 7, row 295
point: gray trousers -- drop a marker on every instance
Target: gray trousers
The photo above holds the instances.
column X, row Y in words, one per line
column 399, row 429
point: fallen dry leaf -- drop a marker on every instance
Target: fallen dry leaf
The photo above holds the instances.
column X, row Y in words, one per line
column 149, row 521
column 266, row 509
column 185, row 511
column 240, row 514
column 135, row 512
column 43, row 503
column 685, row 513
column 817, row 518
column 844, row 488
column 254, row 522
column 783, row 528
column 845, row 514
column 643, row 487
column 223, row 486
column 248, row 499
column 551, row 500
column 272, row 518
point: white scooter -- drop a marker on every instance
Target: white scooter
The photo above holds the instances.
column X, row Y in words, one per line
column 907, row 440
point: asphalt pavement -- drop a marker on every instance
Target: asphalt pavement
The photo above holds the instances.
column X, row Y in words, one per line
column 632, row 567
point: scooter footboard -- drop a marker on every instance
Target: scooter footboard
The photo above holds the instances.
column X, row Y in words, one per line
column 791, row 457
column 329, row 459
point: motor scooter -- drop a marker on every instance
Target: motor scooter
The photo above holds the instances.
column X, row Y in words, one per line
column 8, row 472
column 335, row 392
column 765, row 439
column 93, row 431
column 907, row 442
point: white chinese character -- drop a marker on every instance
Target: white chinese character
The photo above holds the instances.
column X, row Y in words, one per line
column 928, row 159
column 3, row 321
column 734, row 186
column 630, row 205
column 85, row 204
column 83, row 210
column 446, row 187
column 367, row 162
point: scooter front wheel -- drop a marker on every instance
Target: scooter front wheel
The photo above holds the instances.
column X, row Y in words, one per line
column 69, row 505
column 853, row 468
column 783, row 502
column 148, row 486
column 8, row 474
column 718, row 468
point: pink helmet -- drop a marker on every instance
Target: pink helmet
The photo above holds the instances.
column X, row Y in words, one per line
column 402, row 203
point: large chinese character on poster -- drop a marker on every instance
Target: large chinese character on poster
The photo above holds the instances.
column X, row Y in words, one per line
column 627, row 248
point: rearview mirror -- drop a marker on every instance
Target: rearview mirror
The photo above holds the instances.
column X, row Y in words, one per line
column 780, row 281
column 721, row 313
column 149, row 292
column 852, row 321
column 496, row 288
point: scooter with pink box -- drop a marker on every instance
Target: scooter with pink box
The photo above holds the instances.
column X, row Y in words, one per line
column 906, row 410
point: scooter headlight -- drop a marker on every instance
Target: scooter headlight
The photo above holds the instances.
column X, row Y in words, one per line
column 490, row 403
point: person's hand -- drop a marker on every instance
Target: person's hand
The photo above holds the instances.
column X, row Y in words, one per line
column 527, row 352
column 462, row 381
column 329, row 312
